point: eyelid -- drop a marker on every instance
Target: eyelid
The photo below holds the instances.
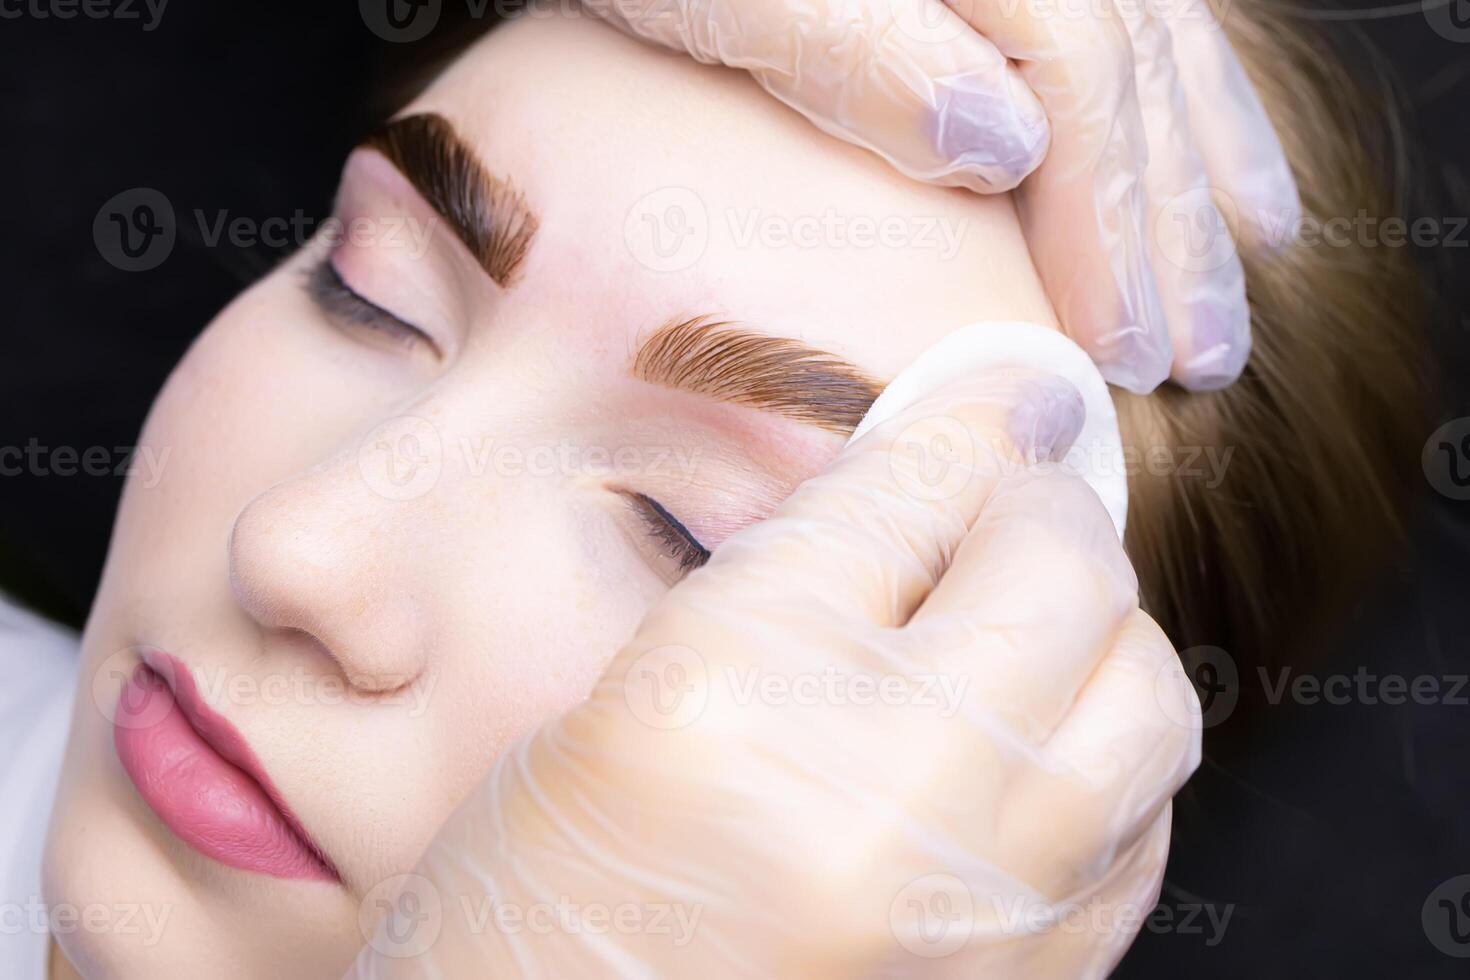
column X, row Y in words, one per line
column 683, row 547
column 334, row 297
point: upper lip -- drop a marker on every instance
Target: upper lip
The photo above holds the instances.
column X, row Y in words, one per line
column 222, row 736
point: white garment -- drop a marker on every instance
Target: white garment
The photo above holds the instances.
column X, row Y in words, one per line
column 38, row 666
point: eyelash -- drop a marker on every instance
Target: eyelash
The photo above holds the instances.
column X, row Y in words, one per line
column 327, row 289
column 330, row 292
column 666, row 529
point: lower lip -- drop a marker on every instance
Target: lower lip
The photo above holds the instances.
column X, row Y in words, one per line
column 204, row 798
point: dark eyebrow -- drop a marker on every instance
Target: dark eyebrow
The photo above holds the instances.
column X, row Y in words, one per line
column 776, row 374
column 486, row 212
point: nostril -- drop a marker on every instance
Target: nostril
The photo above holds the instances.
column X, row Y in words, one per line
column 311, row 663
column 328, row 573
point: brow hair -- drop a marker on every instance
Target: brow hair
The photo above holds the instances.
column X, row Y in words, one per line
column 777, row 374
column 486, row 212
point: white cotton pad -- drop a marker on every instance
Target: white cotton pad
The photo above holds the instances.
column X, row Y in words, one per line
column 1096, row 456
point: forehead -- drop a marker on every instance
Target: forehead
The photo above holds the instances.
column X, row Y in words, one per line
column 666, row 188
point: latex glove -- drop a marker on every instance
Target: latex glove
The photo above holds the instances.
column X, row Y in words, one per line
column 771, row 779
column 1148, row 116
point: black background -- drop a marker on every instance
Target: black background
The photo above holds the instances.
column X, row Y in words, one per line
column 1323, row 829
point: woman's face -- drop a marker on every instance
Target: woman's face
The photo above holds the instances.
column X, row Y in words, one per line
column 418, row 482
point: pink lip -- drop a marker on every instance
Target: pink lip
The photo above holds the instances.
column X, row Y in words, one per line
column 199, row 775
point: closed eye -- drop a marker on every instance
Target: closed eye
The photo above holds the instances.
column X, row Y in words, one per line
column 670, row 535
column 339, row 301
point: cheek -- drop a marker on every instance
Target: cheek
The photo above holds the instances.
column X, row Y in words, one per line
column 529, row 616
column 266, row 391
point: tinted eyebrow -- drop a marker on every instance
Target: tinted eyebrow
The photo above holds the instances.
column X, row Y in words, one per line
column 775, row 374
column 486, row 212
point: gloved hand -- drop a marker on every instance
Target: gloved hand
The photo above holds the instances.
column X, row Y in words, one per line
column 903, row 725
column 1147, row 115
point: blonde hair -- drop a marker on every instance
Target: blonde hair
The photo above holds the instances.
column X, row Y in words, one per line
column 1322, row 431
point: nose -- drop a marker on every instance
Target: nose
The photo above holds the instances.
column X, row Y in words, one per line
column 337, row 553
